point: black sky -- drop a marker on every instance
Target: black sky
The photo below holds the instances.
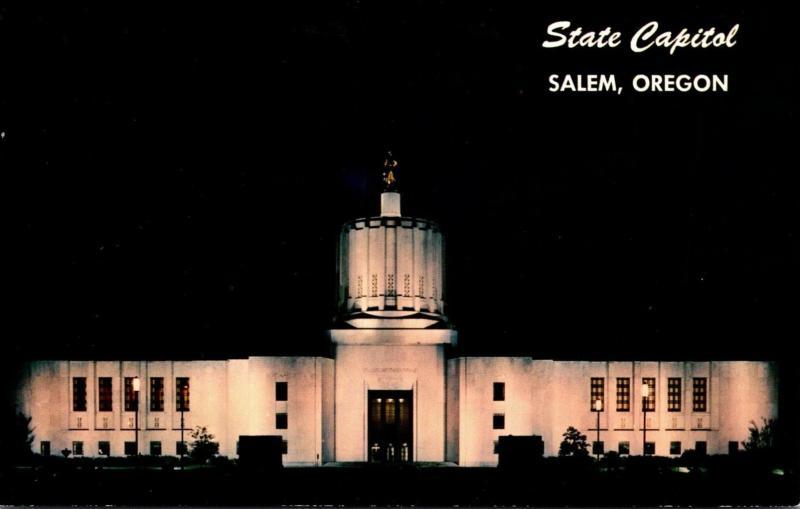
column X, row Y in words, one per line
column 176, row 177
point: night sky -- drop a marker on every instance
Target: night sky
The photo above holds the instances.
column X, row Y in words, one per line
column 175, row 179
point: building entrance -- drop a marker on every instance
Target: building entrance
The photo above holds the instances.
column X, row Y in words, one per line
column 390, row 427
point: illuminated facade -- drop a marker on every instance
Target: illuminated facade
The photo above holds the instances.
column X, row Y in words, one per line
column 391, row 391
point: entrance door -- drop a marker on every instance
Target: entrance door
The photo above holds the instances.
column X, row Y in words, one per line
column 390, row 432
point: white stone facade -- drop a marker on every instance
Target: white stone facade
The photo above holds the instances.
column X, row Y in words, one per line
column 392, row 337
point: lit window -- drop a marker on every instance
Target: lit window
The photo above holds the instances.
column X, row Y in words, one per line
column 131, row 396
column 104, row 400
column 650, row 401
column 499, row 391
column 79, row 394
column 157, row 394
column 674, row 395
column 623, row 395
column 699, row 395
column 182, row 394
column 597, row 392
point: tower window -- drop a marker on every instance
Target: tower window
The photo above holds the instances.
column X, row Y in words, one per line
column 623, row 394
column 390, row 284
column 499, row 391
column 421, row 287
column 157, row 394
column 699, row 395
column 104, row 401
column 374, row 285
column 360, row 286
column 597, row 393
column 281, row 391
column 407, row 285
column 499, row 421
column 281, row 421
column 674, row 395
column 79, row 394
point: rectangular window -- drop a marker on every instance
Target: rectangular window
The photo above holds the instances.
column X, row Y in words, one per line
column 623, row 394
column 155, row 448
column 44, row 448
column 182, row 394
column 499, row 391
column 733, row 447
column 281, row 391
column 598, row 447
column 77, row 448
column 131, row 396
column 181, row 449
column 674, row 447
column 104, row 393
column 499, row 421
column 130, row 448
column 156, row 394
column 701, row 447
column 79, row 394
column 674, row 395
column 699, row 395
column 104, row 448
column 281, row 421
column 284, row 447
column 650, row 448
column 598, row 391
column 650, row 401
column 624, row 448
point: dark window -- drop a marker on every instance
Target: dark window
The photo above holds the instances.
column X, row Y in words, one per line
column 624, row 448
column 499, row 421
column 701, row 448
column 699, row 395
column 79, row 394
column 182, row 394
column 499, row 391
column 650, row 402
column 104, row 393
column 284, row 447
column 495, row 450
column 598, row 390
column 281, row 421
column 155, row 448
column 157, row 394
column 130, row 448
column 281, row 391
column 674, row 447
column 674, row 395
column 623, row 394
column 733, row 447
column 598, row 447
column 650, row 448
column 77, row 448
column 44, row 448
column 131, row 396
column 104, row 448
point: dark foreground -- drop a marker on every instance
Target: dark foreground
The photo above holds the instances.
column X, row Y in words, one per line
column 552, row 483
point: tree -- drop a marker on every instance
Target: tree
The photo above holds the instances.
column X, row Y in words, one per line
column 763, row 438
column 16, row 436
column 574, row 443
column 203, row 445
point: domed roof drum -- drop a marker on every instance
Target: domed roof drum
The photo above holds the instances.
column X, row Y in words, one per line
column 391, row 271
